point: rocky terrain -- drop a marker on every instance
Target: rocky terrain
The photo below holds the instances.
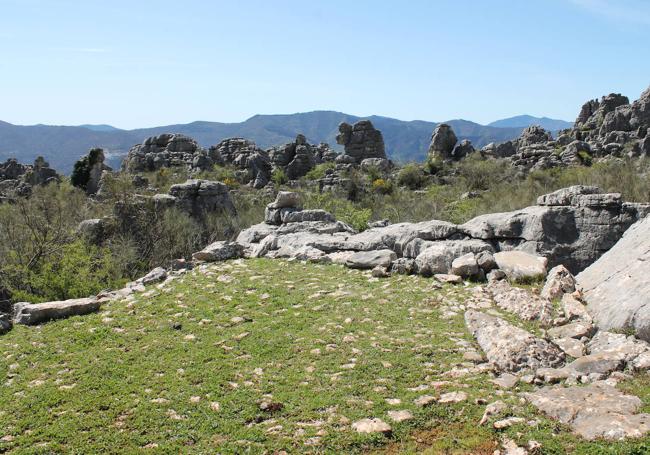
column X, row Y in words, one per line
column 522, row 331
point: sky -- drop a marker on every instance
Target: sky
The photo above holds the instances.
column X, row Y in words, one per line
column 144, row 63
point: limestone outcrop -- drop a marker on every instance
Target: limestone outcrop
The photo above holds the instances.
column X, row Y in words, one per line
column 616, row 287
column 361, row 141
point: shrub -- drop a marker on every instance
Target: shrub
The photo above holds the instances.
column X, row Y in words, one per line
column 81, row 171
column 318, row 172
column 279, row 177
column 382, row 186
column 411, row 176
column 77, row 270
column 585, row 157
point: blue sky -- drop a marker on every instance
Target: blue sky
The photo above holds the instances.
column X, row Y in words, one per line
column 144, row 63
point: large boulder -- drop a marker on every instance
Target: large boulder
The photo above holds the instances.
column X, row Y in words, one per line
column 573, row 226
column 521, row 266
column 442, row 143
column 533, row 135
column 295, row 159
column 198, row 197
column 219, row 251
column 371, row 259
column 361, row 140
column 617, row 286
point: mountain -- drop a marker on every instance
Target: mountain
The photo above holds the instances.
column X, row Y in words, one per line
column 99, row 127
column 522, row 121
column 63, row 145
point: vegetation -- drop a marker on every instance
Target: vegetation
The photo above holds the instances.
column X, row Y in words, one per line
column 186, row 368
column 38, row 235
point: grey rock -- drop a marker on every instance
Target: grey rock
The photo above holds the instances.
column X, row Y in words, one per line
column 485, row 261
column 466, row 266
column 523, row 303
column 361, row 141
column 616, row 287
column 286, row 199
column 594, row 411
column 438, row 256
column 371, row 259
column 443, row 141
column 510, row 348
column 559, row 281
column 519, row 265
column 308, row 215
column 219, row 251
column 570, row 346
column 155, row 276
column 573, row 330
column 36, row 313
column 199, row 197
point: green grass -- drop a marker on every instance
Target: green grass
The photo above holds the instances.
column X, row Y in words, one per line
column 328, row 343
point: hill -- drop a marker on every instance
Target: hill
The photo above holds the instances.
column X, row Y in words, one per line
column 522, row 121
column 63, row 145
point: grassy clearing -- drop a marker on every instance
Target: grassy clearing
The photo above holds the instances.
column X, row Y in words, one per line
column 185, row 369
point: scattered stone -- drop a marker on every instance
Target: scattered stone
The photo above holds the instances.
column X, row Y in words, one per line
column 521, row 302
column 506, row 381
column 452, row 397
column 425, row 400
column 371, row 426
column 507, row 423
column 400, row 416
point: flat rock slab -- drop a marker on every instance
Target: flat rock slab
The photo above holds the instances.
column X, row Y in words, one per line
column 521, row 302
column 371, row 259
column 594, row 411
column 510, row 348
column 35, row 313
column 219, row 251
column 616, row 287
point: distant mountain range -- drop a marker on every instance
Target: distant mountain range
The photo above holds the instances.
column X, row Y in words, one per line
column 405, row 140
column 522, row 121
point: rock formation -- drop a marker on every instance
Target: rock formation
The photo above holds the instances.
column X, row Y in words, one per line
column 88, row 170
column 573, row 227
column 361, row 141
column 167, row 150
column 295, row 159
column 616, row 287
column 198, row 198
column 443, row 142
column 253, row 163
column 18, row 179
column 611, row 127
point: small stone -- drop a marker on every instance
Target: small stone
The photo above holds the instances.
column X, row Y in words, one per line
column 425, row 400
column 371, row 426
column 506, row 423
column 400, row 416
column 506, row 381
column 452, row 397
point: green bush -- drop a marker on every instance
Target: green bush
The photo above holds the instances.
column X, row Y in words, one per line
column 279, row 177
column 77, row 270
column 411, row 176
column 81, row 171
column 318, row 172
